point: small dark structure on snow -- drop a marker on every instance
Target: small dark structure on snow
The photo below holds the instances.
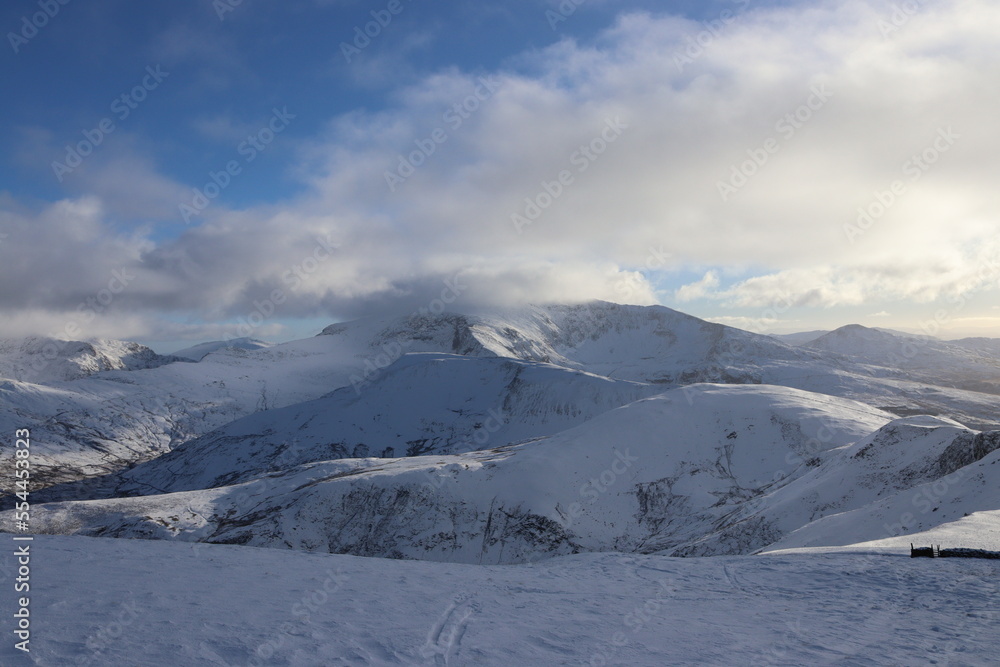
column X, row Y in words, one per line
column 938, row 552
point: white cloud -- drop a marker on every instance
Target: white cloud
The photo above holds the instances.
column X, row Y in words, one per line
column 949, row 274
column 655, row 185
column 699, row 289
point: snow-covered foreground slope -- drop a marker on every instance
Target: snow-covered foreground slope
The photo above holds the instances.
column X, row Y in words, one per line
column 170, row 604
column 657, row 474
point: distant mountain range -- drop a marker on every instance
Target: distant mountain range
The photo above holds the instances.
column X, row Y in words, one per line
column 511, row 436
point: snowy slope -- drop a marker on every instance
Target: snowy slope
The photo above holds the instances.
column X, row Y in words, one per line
column 220, row 606
column 937, row 504
column 109, row 420
column 898, row 461
column 701, row 470
column 975, row 530
column 640, row 343
column 45, row 360
column 973, row 365
column 425, row 403
column 988, row 346
column 198, row 352
column 657, row 474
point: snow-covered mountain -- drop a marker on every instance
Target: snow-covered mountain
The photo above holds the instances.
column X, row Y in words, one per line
column 649, row 476
column 425, row 403
column 198, row 352
column 42, row 360
column 699, row 470
column 112, row 419
column 648, row 344
column 523, row 433
column 917, row 461
column 970, row 365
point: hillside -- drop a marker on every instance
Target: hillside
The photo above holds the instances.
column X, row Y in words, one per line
column 198, row 352
column 654, row 475
column 46, row 360
column 224, row 605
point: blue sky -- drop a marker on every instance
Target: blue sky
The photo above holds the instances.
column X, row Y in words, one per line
column 776, row 166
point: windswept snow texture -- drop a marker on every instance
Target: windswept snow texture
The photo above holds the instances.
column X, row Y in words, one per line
column 116, row 602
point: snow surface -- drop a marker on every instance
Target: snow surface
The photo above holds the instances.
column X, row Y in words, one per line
column 200, row 351
column 46, row 360
column 965, row 365
column 120, row 602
